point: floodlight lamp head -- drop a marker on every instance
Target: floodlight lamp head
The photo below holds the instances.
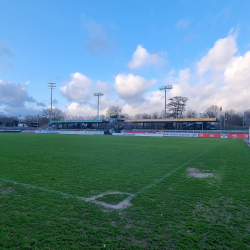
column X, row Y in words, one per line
column 51, row 85
column 166, row 87
column 98, row 94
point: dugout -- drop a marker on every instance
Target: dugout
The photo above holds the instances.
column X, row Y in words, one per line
column 81, row 124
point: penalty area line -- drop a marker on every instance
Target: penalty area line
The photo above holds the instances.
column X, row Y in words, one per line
column 168, row 174
column 92, row 199
column 123, row 204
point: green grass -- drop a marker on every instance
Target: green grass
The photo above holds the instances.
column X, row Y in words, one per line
column 177, row 212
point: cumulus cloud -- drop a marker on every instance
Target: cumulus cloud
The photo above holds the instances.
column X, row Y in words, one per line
column 153, row 102
column 79, row 88
column 131, row 88
column 14, row 97
column 103, row 86
column 142, row 57
column 218, row 57
column 98, row 41
column 231, row 90
column 182, row 23
column 76, row 109
column 90, row 109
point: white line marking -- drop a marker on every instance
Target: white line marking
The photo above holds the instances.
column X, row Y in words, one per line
column 123, row 204
column 166, row 175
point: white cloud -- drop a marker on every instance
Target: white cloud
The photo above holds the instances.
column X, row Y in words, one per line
column 142, row 57
column 231, row 89
column 90, row 109
column 78, row 89
column 103, row 86
column 14, row 99
column 15, row 95
column 76, row 109
column 181, row 24
column 218, row 57
column 131, row 88
column 153, row 102
column 98, row 42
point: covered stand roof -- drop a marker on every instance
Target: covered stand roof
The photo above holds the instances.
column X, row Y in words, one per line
column 174, row 120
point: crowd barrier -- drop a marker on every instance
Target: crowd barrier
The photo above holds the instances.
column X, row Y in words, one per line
column 198, row 135
column 6, row 130
column 65, row 132
column 132, row 133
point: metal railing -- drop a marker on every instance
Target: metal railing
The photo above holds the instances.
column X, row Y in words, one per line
column 17, row 128
column 223, row 131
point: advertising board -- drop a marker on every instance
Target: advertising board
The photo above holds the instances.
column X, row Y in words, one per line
column 237, row 136
column 180, row 134
column 139, row 134
column 209, row 135
column 71, row 132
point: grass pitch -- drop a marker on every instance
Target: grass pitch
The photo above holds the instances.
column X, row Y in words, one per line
column 47, row 179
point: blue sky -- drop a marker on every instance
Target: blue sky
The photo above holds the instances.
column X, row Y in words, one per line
column 125, row 49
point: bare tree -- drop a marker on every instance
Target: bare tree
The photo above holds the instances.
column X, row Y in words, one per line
column 57, row 114
column 176, row 106
column 155, row 115
column 233, row 118
column 29, row 119
column 102, row 117
column 113, row 109
column 138, row 116
column 6, row 121
column 162, row 114
column 212, row 111
column 191, row 113
column 146, row 116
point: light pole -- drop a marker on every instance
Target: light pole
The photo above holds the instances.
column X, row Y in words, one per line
column 225, row 119
column 48, row 119
column 165, row 88
column 37, row 120
column 98, row 94
column 220, row 119
column 51, row 86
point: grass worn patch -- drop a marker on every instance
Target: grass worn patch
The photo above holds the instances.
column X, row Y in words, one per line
column 179, row 212
column 113, row 199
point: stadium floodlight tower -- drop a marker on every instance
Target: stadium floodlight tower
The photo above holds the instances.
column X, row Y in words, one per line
column 98, row 94
column 165, row 88
column 51, row 86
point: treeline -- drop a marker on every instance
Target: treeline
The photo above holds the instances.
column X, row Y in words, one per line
column 176, row 108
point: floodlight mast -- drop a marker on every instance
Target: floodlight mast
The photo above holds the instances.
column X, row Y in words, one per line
column 165, row 88
column 51, row 86
column 98, row 94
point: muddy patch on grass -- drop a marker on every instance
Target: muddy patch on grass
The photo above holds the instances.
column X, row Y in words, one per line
column 6, row 190
column 195, row 172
